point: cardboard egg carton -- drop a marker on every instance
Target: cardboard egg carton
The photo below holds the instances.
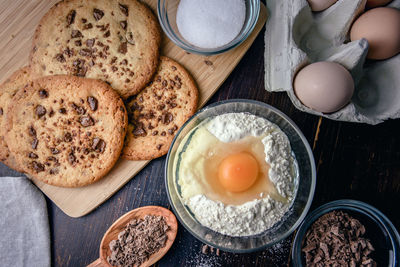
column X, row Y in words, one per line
column 296, row 37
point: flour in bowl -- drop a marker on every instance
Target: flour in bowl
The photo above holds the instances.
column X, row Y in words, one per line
column 255, row 209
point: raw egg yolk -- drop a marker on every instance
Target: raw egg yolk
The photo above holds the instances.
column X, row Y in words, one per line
column 238, row 172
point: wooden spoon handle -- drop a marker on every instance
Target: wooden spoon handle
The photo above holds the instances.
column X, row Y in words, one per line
column 98, row 263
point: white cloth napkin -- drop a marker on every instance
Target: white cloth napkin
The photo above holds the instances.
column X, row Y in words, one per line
column 24, row 226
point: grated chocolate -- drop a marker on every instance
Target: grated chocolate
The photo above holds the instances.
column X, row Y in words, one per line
column 140, row 239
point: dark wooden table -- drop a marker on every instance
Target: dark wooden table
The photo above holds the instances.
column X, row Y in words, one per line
column 354, row 161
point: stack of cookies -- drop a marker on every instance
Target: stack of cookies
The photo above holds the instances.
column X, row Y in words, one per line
column 95, row 89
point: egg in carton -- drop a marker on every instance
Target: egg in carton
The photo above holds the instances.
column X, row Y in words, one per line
column 296, row 37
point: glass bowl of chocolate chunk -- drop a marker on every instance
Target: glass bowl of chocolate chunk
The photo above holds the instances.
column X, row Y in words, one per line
column 346, row 233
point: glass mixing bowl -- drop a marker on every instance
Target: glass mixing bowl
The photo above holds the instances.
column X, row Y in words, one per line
column 166, row 10
column 305, row 181
column 382, row 233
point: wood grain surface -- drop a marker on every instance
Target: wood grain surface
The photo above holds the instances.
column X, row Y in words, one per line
column 19, row 18
column 354, row 161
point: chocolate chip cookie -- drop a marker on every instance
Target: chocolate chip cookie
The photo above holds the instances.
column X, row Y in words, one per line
column 157, row 112
column 116, row 41
column 65, row 130
column 8, row 89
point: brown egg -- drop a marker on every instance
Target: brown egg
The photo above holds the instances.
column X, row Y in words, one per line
column 324, row 86
column 375, row 3
column 319, row 5
column 381, row 27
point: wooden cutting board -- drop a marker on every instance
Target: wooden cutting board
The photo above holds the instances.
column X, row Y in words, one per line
column 18, row 20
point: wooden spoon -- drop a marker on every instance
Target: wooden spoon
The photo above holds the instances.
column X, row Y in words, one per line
column 139, row 213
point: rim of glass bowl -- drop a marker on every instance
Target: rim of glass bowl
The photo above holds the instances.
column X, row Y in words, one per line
column 249, row 27
column 352, row 205
column 309, row 198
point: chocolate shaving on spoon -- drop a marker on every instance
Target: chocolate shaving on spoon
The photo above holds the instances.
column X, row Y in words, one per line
column 138, row 241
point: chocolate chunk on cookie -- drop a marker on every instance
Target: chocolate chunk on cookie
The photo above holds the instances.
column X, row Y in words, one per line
column 75, row 146
column 8, row 89
column 156, row 113
column 116, row 41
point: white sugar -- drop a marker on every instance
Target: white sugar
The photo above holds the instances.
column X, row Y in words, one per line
column 210, row 23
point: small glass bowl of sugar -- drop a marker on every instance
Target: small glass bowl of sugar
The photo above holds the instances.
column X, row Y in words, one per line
column 208, row 27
